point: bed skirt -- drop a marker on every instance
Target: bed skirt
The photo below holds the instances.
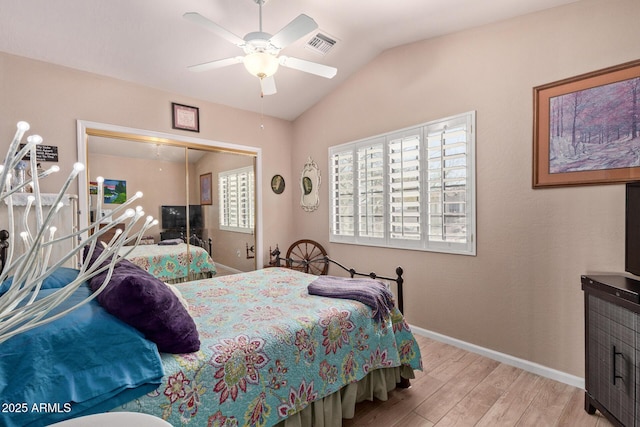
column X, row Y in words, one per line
column 194, row 276
column 329, row 411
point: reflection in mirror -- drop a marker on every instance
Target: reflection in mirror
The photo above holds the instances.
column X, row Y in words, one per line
column 157, row 170
column 230, row 218
column 168, row 173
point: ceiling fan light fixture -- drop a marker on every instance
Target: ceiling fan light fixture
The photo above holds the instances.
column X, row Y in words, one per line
column 261, row 64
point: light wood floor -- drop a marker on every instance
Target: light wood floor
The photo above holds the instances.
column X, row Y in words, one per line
column 459, row 388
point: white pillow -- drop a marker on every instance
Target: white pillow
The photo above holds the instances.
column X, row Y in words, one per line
column 177, row 292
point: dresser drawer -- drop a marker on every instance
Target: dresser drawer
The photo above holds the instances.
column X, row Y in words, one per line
column 611, row 349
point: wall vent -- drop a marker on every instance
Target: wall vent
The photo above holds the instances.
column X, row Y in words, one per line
column 321, row 43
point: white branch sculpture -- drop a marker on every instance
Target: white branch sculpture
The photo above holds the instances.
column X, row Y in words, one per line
column 19, row 309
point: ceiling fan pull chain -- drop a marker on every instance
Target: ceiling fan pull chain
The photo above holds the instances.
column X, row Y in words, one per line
column 261, row 106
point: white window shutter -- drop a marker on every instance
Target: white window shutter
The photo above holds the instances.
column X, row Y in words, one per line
column 411, row 189
column 236, row 196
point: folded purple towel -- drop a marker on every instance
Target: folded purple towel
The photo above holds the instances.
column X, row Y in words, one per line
column 171, row 242
column 371, row 292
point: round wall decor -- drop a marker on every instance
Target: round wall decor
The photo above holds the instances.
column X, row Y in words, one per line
column 277, row 184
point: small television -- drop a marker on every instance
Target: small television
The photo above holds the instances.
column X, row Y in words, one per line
column 175, row 217
column 632, row 229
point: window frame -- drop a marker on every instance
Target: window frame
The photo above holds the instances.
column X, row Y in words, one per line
column 224, row 201
column 423, row 243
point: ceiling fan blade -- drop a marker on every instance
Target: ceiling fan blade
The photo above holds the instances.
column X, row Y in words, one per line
column 295, row 29
column 214, row 28
column 308, row 66
column 268, row 85
column 212, row 65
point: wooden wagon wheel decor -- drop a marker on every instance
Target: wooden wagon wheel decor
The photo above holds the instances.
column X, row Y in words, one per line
column 308, row 256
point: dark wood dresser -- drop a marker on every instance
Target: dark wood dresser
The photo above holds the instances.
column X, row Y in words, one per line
column 612, row 347
column 106, row 237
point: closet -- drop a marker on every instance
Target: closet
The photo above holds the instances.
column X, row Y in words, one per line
column 174, row 173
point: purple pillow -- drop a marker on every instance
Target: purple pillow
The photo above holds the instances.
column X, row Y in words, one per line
column 144, row 302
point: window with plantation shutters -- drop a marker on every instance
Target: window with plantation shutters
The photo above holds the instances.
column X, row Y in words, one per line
column 447, row 181
column 370, row 185
column 410, row 189
column 342, row 196
column 236, row 194
column 404, row 186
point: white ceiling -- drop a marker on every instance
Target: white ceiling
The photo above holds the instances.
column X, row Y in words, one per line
column 150, row 43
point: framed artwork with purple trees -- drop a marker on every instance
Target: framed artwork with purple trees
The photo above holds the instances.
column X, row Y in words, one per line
column 586, row 129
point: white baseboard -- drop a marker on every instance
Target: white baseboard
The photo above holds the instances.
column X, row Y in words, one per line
column 507, row 359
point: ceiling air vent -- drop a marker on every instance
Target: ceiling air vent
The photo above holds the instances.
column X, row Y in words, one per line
column 321, row 43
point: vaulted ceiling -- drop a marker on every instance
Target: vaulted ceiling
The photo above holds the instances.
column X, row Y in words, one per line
column 150, row 43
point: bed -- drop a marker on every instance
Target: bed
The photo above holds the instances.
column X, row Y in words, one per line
column 169, row 262
column 269, row 354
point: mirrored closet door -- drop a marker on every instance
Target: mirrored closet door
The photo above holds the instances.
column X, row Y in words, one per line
column 203, row 195
column 226, row 183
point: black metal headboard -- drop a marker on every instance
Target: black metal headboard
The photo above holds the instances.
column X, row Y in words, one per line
column 195, row 240
column 4, row 245
column 398, row 279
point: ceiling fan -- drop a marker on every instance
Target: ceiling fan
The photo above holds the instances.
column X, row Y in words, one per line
column 261, row 50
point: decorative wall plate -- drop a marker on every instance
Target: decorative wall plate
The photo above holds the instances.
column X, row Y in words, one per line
column 310, row 185
column 277, row 184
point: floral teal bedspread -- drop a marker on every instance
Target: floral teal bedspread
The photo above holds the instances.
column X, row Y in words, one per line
column 169, row 262
column 269, row 349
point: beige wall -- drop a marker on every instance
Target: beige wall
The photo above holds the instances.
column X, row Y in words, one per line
column 521, row 294
column 52, row 98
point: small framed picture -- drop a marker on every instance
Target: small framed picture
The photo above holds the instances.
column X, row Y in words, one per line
column 115, row 191
column 277, row 184
column 186, row 117
column 205, row 189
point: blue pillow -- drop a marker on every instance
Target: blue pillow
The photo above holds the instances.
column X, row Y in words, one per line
column 60, row 278
column 85, row 362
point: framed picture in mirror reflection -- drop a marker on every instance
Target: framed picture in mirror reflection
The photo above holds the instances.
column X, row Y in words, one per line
column 205, row 189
